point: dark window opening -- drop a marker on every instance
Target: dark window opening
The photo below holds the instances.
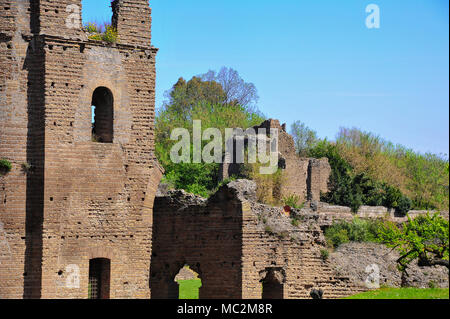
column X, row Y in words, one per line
column 102, row 115
column 99, row 278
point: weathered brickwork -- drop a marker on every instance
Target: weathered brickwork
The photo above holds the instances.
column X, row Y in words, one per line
column 80, row 199
column 224, row 240
column 305, row 177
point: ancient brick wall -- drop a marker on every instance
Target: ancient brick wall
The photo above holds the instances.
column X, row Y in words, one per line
column 133, row 21
column 206, row 236
column 272, row 244
column 80, row 199
column 319, row 171
column 303, row 177
column 226, row 241
column 330, row 214
column 21, row 109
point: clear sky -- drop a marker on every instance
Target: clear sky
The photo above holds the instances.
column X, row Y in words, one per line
column 316, row 61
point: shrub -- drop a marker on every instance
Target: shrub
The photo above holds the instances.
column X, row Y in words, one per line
column 108, row 33
column 404, row 206
column 336, row 235
column 324, row 254
column 292, row 201
column 359, row 230
column 268, row 189
column 91, row 27
column 5, row 166
column 198, row 179
column 425, row 238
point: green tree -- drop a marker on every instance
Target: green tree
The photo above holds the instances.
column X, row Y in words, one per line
column 237, row 91
column 185, row 95
column 304, row 138
column 203, row 100
column 425, row 238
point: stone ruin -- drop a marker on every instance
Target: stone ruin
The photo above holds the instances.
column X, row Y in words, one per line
column 81, row 214
column 306, row 178
column 78, row 214
column 236, row 245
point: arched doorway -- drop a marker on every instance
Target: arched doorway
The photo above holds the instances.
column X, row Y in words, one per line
column 102, row 115
column 273, row 283
column 189, row 284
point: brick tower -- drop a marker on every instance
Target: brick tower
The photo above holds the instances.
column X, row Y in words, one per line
column 76, row 208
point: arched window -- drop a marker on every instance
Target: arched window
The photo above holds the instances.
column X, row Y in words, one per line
column 102, row 115
column 99, row 278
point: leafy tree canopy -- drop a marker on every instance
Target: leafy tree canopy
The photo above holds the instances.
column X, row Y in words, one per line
column 425, row 238
column 214, row 99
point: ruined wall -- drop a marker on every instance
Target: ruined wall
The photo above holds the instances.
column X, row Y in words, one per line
column 234, row 244
column 206, row 236
column 21, row 108
column 271, row 243
column 319, row 171
column 303, row 177
column 133, row 21
column 330, row 214
column 81, row 199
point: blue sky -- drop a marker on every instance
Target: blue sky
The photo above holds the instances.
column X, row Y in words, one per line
column 316, row 61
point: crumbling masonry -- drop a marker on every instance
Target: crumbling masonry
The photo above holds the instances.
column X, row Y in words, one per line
column 76, row 211
column 306, row 178
column 80, row 202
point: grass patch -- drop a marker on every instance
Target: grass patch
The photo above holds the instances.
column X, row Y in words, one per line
column 189, row 289
column 403, row 293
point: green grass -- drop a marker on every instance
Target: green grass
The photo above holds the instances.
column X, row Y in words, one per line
column 189, row 288
column 403, row 293
column 189, row 291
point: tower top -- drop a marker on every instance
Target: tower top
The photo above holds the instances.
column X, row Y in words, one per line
column 133, row 21
column 63, row 18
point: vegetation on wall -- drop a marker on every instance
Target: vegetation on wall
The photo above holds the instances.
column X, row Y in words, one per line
column 5, row 166
column 102, row 32
column 424, row 239
column 358, row 230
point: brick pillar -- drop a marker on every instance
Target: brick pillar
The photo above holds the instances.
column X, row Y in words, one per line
column 133, row 21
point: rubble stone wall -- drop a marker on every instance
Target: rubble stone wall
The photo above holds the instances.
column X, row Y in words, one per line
column 234, row 244
column 303, row 177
